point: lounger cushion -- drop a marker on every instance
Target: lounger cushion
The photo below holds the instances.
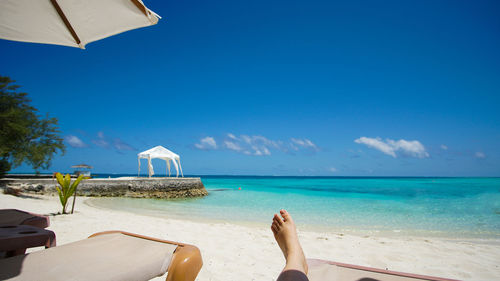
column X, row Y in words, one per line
column 325, row 271
column 18, row 217
column 113, row 256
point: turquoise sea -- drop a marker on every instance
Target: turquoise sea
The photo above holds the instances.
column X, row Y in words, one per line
column 449, row 207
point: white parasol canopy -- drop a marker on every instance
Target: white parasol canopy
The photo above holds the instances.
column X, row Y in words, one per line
column 160, row 152
column 71, row 22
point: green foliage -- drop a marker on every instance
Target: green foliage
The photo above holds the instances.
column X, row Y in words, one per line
column 24, row 135
column 66, row 189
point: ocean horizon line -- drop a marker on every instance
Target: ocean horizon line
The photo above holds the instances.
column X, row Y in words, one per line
column 261, row 176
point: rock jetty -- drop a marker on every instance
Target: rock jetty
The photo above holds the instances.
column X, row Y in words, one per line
column 114, row 187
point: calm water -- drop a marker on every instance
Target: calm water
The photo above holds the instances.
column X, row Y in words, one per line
column 451, row 207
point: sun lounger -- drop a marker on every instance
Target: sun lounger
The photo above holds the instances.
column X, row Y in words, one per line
column 111, row 255
column 328, row 270
column 18, row 217
column 15, row 239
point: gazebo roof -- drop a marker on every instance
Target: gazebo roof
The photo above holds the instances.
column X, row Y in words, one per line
column 158, row 152
column 85, row 166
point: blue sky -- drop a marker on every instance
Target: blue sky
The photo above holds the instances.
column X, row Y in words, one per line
column 364, row 88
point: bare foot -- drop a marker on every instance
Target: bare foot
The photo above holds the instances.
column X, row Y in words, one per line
column 285, row 234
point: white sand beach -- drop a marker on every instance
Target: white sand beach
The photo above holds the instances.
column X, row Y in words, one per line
column 236, row 252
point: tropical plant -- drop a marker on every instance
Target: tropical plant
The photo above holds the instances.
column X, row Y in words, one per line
column 66, row 188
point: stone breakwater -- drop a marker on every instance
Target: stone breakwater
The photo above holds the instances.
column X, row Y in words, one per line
column 115, row 187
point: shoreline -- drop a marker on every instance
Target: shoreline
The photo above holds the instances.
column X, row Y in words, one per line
column 236, row 252
column 307, row 226
column 418, row 234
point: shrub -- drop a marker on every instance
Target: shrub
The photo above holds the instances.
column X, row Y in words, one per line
column 67, row 189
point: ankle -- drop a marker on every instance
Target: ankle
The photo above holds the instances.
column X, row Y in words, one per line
column 296, row 264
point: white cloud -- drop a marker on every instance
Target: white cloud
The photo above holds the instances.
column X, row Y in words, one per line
column 246, row 139
column 480, row 155
column 74, row 141
column 206, row 143
column 120, row 145
column 444, row 147
column 232, row 146
column 251, row 145
column 377, row 144
column 411, row 148
column 117, row 144
column 332, row 169
column 305, row 143
column 256, row 145
column 259, row 151
column 390, row 147
column 101, row 140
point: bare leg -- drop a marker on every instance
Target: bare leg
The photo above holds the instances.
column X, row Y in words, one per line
column 285, row 234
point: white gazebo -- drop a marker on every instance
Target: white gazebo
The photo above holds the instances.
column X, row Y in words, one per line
column 160, row 152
